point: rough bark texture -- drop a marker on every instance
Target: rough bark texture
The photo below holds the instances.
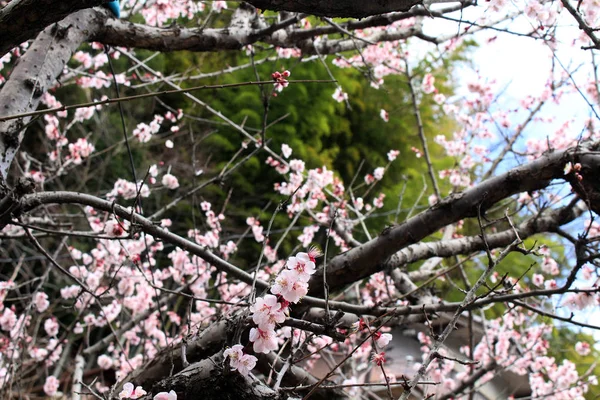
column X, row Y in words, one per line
column 21, row 20
column 207, row 343
column 209, row 379
column 123, row 33
column 336, row 8
column 36, row 71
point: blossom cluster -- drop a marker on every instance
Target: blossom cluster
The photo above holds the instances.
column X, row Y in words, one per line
column 291, row 284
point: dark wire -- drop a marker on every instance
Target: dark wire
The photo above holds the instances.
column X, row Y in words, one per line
column 112, row 70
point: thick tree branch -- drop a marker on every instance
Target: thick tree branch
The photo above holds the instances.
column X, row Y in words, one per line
column 117, row 32
column 369, row 258
column 37, row 71
column 209, row 379
column 21, row 20
column 32, row 201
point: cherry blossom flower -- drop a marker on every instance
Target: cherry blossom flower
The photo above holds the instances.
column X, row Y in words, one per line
column 51, row 386
column 308, row 233
column 382, row 339
column 114, row 228
column 580, row 301
column 538, row 280
column 267, row 312
column 51, row 326
column 378, row 202
column 289, row 286
column 428, row 84
column 41, row 301
column 286, row 150
column 218, row 6
column 550, row 266
column 379, row 358
column 288, row 52
column 128, row 190
column 243, row 363
column 339, row 95
column 164, row 395
column 280, row 79
column 170, row 181
column 550, row 284
column 393, row 154
column 80, row 150
column 264, row 341
column 432, row 200
column 257, row 229
column 583, row 348
column 439, row 98
column 131, row 392
column 105, row 362
column 302, row 265
column 359, row 203
column 384, row 115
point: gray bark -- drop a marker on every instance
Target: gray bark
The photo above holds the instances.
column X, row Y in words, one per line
column 37, row 71
column 21, row 20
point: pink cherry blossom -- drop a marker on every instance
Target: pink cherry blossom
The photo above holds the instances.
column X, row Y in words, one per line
column 165, row 396
column 170, row 181
column 131, row 392
column 80, row 150
column 264, row 340
column 339, row 95
column 217, row 7
column 280, row 79
column 383, row 339
column 267, row 312
column 289, row 286
column 243, row 363
column 384, row 115
column 583, row 348
column 428, row 84
column 41, row 301
column 286, row 150
column 393, row 154
column 538, row 280
column 51, row 386
column 114, row 228
column 302, row 265
column 105, row 362
column 379, row 358
column 51, row 326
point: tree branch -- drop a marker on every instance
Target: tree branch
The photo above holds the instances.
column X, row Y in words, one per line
column 547, row 222
column 370, row 257
column 35, row 73
column 21, row 20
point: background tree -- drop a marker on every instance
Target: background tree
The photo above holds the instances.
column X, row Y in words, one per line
column 146, row 253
